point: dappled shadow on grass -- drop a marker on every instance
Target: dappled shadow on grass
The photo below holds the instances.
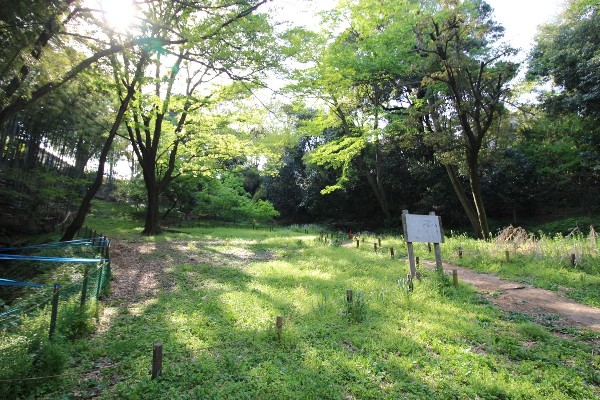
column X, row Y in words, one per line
column 215, row 310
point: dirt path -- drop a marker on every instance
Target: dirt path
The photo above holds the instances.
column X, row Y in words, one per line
column 526, row 299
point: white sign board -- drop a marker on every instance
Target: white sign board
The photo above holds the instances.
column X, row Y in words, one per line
column 422, row 228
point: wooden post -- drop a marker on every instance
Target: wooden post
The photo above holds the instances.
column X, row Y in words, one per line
column 460, row 251
column 157, row 357
column 379, row 241
column 54, row 312
column 411, row 259
column 455, row 277
column 349, row 296
column 409, row 282
column 507, row 255
column 84, row 285
column 357, row 243
column 279, row 326
column 429, row 247
column 391, row 252
column 437, row 249
column 375, row 247
column 417, row 261
column 573, row 260
column 438, row 257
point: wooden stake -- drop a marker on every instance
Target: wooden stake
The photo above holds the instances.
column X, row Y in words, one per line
column 379, row 241
column 429, row 247
column 409, row 281
column 417, row 261
column 572, row 260
column 157, row 358
column 349, row 296
column 375, row 247
column 54, row 313
column 460, row 251
column 84, row 285
column 279, row 326
column 507, row 255
column 391, row 252
column 455, row 277
column 357, row 243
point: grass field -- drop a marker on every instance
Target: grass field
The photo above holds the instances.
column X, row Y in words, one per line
column 224, row 287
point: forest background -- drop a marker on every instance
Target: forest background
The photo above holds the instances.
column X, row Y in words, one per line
column 387, row 106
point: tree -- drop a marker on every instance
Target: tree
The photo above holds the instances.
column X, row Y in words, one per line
column 567, row 53
column 222, row 41
column 467, row 81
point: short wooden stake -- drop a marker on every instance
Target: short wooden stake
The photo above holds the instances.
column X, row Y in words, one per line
column 391, row 252
column 84, row 287
column 417, row 261
column 157, row 358
column 455, row 277
column 379, row 241
column 573, row 260
column 357, row 243
column 363, row 240
column 54, row 312
column 279, row 326
column 507, row 254
column 349, row 296
column 409, row 281
column 429, row 247
column 460, row 251
column 375, row 247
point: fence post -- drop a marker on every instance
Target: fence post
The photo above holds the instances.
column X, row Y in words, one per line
column 455, row 277
column 279, row 326
column 349, row 296
column 157, row 356
column 391, row 252
column 54, row 313
column 85, row 285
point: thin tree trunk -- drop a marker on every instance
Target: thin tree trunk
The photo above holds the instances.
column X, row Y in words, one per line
column 95, row 186
column 478, row 199
column 464, row 201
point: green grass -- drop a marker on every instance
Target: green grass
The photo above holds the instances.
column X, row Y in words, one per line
column 216, row 322
column 544, row 262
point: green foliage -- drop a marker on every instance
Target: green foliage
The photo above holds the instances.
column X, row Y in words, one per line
column 226, row 199
column 567, row 52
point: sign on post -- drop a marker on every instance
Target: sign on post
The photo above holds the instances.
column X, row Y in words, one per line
column 422, row 229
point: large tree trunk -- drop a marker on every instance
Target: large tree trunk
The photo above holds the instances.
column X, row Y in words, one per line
column 152, row 223
column 464, row 201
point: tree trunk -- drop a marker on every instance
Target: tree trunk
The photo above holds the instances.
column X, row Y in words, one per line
column 477, row 198
column 464, row 201
column 377, row 188
column 95, row 186
column 152, row 223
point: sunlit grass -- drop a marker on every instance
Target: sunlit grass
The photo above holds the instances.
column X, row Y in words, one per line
column 217, row 328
